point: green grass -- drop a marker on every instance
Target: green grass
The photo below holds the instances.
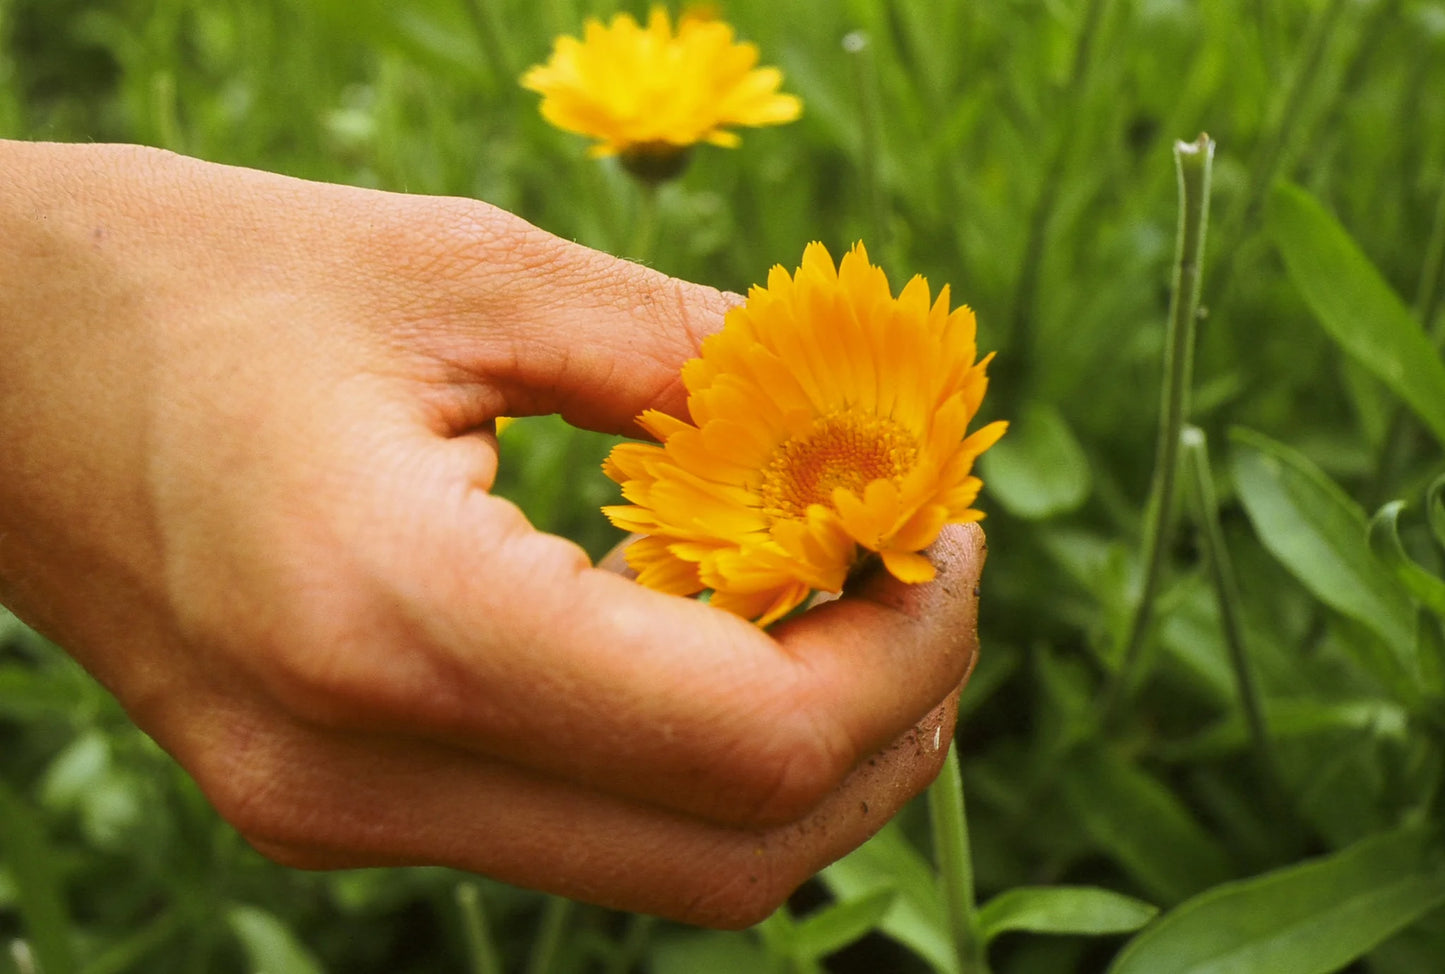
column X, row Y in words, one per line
column 1019, row 150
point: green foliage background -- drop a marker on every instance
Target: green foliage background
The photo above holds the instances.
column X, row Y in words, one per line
column 1021, row 151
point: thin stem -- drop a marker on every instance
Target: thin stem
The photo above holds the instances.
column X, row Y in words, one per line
column 1041, row 216
column 634, row 942
column 1268, row 35
column 481, row 950
column 1433, row 269
column 1285, row 124
column 548, row 945
column 127, row 954
column 949, row 819
column 1401, row 427
column 492, row 35
column 1193, row 162
column 1226, row 591
column 644, row 225
column 855, row 44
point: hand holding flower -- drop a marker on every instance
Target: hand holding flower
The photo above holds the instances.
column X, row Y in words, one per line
column 247, row 450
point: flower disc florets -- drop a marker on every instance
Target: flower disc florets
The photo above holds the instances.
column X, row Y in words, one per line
column 829, row 420
column 649, row 93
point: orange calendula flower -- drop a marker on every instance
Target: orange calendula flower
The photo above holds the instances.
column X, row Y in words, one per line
column 649, row 93
column 829, row 420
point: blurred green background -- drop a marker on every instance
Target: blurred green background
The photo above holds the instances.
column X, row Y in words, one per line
column 1019, row 150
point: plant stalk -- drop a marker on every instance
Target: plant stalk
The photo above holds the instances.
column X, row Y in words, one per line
column 1193, row 162
column 870, row 124
column 481, row 949
column 1023, row 328
column 548, row 945
column 949, row 820
column 1226, row 590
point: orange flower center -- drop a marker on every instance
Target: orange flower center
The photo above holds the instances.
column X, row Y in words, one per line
column 842, row 449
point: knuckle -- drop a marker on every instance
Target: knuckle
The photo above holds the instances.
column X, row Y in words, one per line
column 748, row 894
column 290, row 856
column 253, row 788
column 808, row 757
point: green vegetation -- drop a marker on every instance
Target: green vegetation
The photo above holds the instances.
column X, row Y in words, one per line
column 1241, row 775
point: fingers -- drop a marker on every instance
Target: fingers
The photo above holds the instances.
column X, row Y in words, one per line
column 322, row 799
column 507, row 642
column 549, row 325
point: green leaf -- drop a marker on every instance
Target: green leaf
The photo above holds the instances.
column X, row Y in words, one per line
column 916, row 917
column 705, row 950
column 1063, row 909
column 835, row 927
column 270, row 947
column 1318, row 533
column 1435, row 509
column 1355, row 305
column 1305, row 919
column 1385, row 543
column 1430, row 651
column 1294, row 718
column 1038, row 470
column 33, row 867
column 1140, row 823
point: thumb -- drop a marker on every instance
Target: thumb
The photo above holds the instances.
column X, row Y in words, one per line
column 545, row 325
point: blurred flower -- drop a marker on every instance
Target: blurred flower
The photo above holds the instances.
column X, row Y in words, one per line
column 829, row 420
column 649, row 94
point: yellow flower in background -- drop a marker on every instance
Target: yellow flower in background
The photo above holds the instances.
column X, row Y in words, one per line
column 829, row 420
column 649, row 93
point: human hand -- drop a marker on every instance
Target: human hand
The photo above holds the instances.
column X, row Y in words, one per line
column 247, row 451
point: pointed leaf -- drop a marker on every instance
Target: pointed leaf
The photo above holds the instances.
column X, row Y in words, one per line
column 1140, row 823
column 835, row 927
column 1435, row 509
column 271, row 948
column 1355, row 305
column 1063, row 909
column 690, row 951
column 1305, row 919
column 1431, row 653
column 35, row 871
column 1038, row 469
column 1385, row 543
column 916, row 917
column 1318, row 533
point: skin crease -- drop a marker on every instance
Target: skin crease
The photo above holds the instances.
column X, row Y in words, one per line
column 247, row 450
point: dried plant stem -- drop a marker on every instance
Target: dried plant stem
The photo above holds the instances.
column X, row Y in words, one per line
column 949, row 820
column 1193, row 162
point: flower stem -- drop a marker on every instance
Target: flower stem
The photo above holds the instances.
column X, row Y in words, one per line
column 1399, row 428
column 545, row 948
column 1023, row 327
column 481, row 951
column 494, row 41
column 644, row 225
column 1226, row 590
column 1287, row 124
column 634, row 942
column 870, row 123
column 1193, row 162
column 949, row 819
